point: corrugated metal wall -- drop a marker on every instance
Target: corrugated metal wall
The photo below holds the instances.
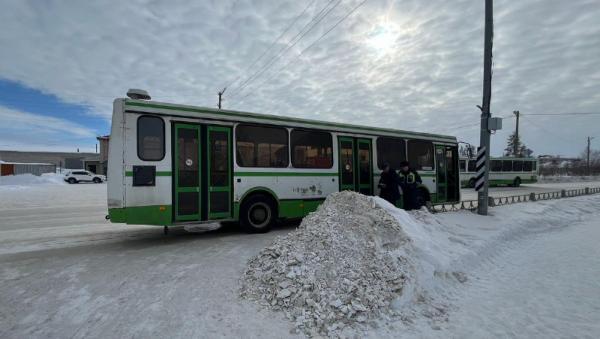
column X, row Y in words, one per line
column 34, row 169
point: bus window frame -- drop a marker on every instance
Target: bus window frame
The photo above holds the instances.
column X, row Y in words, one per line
column 517, row 161
column 431, row 147
column 404, row 150
column 495, row 161
column 511, row 165
column 287, row 145
column 291, row 148
column 137, row 140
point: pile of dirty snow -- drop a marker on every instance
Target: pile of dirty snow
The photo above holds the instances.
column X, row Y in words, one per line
column 346, row 265
column 30, row 179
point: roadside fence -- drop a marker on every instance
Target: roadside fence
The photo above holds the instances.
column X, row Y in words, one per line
column 512, row 199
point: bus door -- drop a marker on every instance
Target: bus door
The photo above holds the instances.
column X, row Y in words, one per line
column 202, row 172
column 452, row 174
column 355, row 165
column 219, row 172
column 447, row 177
column 440, row 169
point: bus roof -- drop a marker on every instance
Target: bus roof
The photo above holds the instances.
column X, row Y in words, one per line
column 172, row 109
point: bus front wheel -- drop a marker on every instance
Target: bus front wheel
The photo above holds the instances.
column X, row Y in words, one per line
column 257, row 214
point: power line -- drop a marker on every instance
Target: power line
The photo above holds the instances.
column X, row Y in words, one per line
column 548, row 131
column 274, row 42
column 303, row 31
column 309, row 46
column 312, row 24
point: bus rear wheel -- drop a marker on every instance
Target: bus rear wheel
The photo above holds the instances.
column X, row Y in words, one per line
column 258, row 214
column 517, row 182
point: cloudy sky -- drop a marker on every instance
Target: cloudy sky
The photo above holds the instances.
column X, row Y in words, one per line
column 407, row 64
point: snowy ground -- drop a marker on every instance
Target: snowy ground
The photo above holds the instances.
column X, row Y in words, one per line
column 531, row 272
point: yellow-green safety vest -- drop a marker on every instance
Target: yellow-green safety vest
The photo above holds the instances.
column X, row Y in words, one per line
column 409, row 179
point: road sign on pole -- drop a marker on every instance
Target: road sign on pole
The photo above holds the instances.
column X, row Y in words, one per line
column 480, row 169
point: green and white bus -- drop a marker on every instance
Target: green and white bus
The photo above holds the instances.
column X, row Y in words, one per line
column 503, row 171
column 174, row 165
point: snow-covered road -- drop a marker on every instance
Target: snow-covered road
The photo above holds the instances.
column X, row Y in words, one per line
column 543, row 287
column 66, row 272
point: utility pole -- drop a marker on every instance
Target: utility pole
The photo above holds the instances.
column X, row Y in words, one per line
column 589, row 139
column 516, row 141
column 483, row 161
column 220, row 96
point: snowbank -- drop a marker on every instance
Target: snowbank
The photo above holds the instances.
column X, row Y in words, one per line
column 354, row 264
column 348, row 264
column 30, row 179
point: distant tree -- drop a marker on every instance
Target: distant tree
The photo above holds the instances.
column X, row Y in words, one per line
column 594, row 157
column 522, row 150
column 581, row 167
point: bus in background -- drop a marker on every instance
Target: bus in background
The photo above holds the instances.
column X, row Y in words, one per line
column 503, row 171
column 174, row 164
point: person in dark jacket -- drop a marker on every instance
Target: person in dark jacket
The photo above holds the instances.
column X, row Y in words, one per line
column 409, row 182
column 388, row 184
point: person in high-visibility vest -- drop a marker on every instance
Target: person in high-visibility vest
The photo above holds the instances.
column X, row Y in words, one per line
column 409, row 181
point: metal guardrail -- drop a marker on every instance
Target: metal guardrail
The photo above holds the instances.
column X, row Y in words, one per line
column 512, row 199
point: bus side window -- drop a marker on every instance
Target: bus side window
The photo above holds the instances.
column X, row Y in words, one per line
column 420, row 154
column 506, row 165
column 518, row 165
column 496, row 165
column 527, row 166
column 311, row 149
column 462, row 165
column 471, row 166
column 534, row 163
column 261, row 146
column 390, row 150
column 150, row 138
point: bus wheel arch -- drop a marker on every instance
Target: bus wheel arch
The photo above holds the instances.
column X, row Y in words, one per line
column 517, row 182
column 258, row 211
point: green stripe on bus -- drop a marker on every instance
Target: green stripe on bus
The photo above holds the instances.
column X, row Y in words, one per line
column 283, row 174
column 142, row 215
column 158, row 173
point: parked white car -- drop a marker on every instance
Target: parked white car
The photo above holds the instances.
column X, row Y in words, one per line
column 77, row 176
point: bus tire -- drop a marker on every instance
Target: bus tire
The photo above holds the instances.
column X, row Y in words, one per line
column 258, row 214
column 472, row 183
column 517, row 182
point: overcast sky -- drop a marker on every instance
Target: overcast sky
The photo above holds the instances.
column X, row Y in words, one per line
column 414, row 65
